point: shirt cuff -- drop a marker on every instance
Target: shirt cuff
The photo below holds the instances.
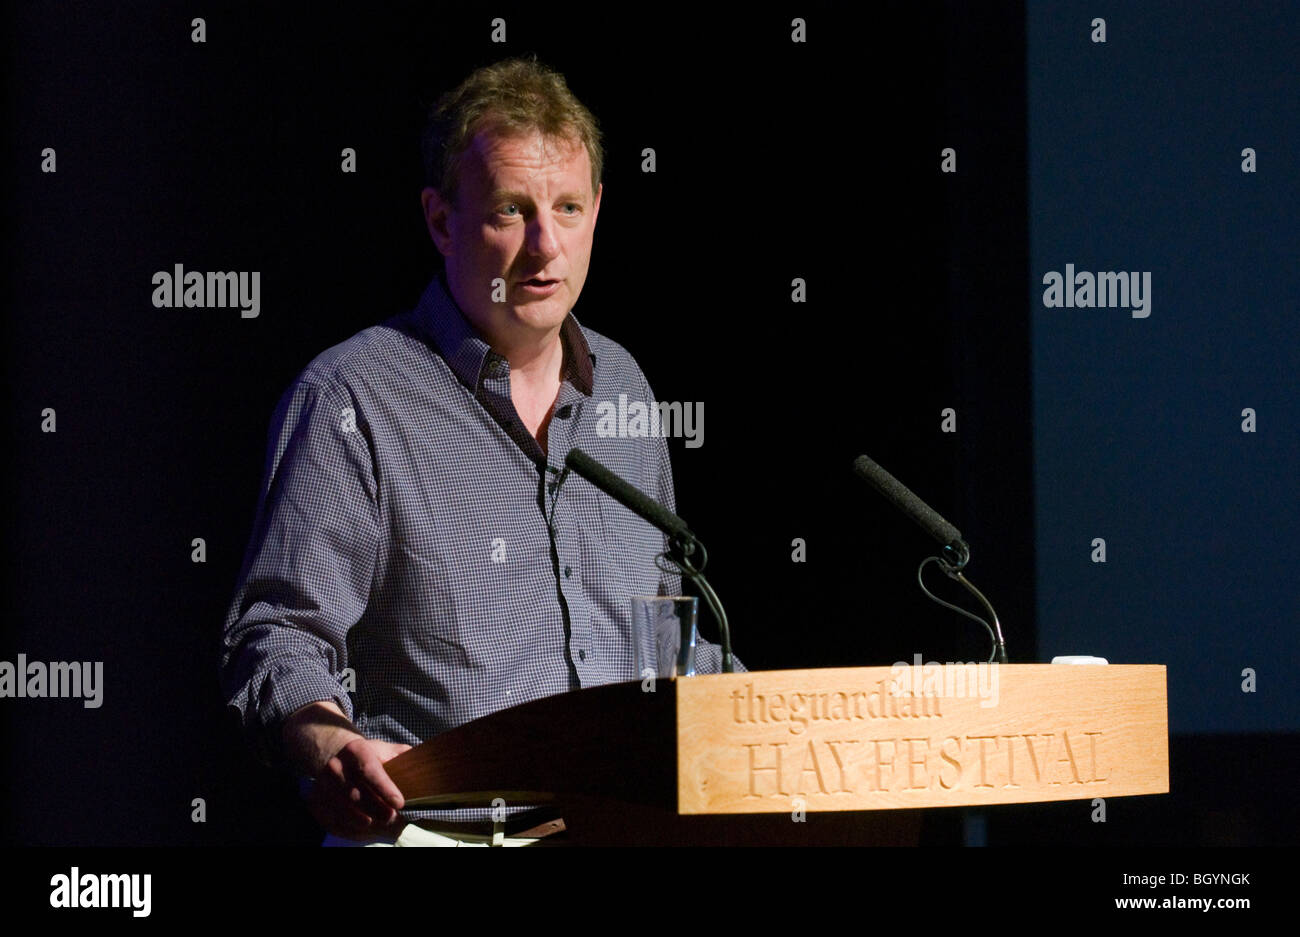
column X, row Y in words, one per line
column 284, row 691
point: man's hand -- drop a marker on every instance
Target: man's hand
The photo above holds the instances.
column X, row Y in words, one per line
column 352, row 795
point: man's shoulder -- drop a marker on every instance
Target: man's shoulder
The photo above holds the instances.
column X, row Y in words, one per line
column 615, row 365
column 366, row 358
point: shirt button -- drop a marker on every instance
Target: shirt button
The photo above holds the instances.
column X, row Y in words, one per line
column 568, row 571
column 582, row 655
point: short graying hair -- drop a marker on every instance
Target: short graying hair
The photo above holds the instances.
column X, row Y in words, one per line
column 514, row 97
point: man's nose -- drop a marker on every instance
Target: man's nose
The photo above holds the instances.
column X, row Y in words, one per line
column 542, row 238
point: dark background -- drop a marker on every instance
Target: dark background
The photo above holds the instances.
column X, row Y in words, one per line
column 775, row 160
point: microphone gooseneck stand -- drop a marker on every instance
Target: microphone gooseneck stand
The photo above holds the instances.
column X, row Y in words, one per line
column 955, row 554
column 677, row 558
column 682, row 544
column 955, row 557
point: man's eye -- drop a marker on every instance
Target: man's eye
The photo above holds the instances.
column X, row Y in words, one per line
column 571, row 208
column 511, row 209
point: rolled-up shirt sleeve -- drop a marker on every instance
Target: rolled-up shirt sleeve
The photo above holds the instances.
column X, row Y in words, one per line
column 306, row 575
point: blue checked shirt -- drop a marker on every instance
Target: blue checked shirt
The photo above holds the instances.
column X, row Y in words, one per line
column 410, row 529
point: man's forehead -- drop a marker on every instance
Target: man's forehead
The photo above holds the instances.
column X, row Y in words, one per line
column 496, row 152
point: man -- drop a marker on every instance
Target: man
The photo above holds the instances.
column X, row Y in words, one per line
column 415, row 525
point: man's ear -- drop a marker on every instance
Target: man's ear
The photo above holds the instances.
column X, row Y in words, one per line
column 436, row 215
column 595, row 210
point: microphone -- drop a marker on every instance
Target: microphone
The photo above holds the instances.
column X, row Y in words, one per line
column 956, row 554
column 680, row 537
column 629, row 496
column 901, row 497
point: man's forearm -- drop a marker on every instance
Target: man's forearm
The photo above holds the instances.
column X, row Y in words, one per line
column 313, row 734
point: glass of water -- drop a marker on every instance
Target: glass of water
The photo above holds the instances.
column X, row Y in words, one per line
column 663, row 634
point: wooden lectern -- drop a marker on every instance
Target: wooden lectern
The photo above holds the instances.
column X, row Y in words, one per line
column 843, row 755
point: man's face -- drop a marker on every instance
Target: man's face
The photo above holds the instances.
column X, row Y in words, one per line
column 525, row 212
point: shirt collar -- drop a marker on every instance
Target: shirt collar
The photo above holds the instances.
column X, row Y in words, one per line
column 468, row 354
